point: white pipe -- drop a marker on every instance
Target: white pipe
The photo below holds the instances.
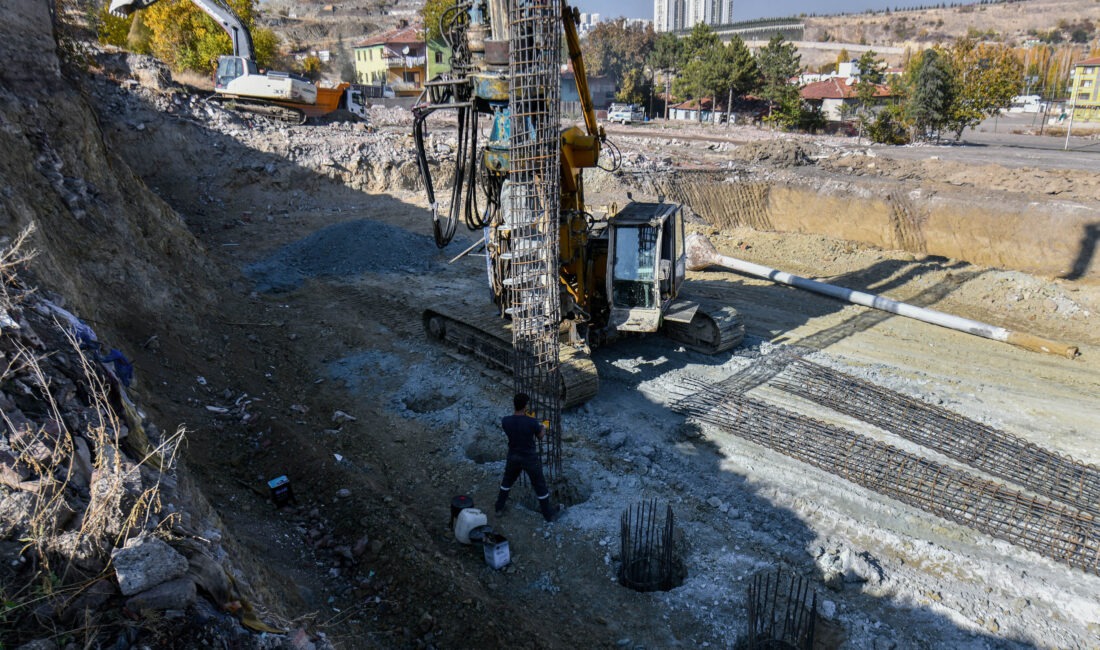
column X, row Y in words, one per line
column 701, row 254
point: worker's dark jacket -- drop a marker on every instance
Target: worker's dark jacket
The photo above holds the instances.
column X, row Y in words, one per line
column 522, row 432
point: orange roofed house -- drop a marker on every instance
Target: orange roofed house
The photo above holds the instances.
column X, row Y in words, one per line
column 401, row 59
column 837, row 97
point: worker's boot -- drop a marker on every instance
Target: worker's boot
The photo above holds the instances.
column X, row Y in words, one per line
column 549, row 512
column 502, row 498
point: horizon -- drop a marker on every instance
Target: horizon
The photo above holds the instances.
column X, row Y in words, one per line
column 775, row 9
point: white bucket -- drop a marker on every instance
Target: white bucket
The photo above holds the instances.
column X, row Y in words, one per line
column 468, row 519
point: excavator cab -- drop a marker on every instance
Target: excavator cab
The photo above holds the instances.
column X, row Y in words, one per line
column 233, row 67
column 646, row 264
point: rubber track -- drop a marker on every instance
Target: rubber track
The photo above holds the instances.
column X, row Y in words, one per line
column 487, row 336
column 715, row 328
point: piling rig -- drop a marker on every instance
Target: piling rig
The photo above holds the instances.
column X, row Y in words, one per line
column 562, row 279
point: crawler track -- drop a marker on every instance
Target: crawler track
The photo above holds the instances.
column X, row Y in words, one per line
column 260, row 107
column 486, row 335
column 715, row 328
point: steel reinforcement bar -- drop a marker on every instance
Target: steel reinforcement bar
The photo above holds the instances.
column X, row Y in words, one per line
column 532, row 210
column 1054, row 530
column 985, row 448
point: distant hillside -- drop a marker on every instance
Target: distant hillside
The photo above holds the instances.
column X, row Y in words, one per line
column 323, row 24
column 1015, row 23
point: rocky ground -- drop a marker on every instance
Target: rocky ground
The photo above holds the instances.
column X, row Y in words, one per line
column 310, row 362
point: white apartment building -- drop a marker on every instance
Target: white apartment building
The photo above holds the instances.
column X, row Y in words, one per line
column 682, row 15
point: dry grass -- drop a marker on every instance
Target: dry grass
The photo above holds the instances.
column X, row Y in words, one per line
column 194, row 80
column 60, row 562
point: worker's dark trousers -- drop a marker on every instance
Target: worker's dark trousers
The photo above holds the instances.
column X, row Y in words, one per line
column 530, row 464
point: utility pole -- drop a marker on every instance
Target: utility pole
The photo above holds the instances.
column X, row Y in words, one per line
column 1069, row 129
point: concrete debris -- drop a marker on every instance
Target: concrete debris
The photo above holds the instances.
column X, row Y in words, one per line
column 145, row 562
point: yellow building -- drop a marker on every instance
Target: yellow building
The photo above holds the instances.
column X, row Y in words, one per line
column 401, row 59
column 1085, row 97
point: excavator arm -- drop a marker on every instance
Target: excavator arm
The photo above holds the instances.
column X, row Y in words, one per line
column 222, row 14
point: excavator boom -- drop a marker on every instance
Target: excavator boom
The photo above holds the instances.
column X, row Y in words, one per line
column 222, row 14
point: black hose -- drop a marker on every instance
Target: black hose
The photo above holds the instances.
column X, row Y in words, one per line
column 474, row 220
column 443, row 229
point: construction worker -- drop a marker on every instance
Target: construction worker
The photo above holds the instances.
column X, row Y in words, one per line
column 523, row 432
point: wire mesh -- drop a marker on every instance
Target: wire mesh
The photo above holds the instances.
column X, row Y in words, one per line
column 983, row 447
column 782, row 611
column 532, row 211
column 646, row 549
column 1057, row 531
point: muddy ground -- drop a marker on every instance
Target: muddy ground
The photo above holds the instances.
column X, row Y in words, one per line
column 322, row 265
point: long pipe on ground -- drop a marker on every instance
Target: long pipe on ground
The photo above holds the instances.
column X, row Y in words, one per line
column 702, row 254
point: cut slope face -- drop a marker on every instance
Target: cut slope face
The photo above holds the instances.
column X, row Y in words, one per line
column 117, row 251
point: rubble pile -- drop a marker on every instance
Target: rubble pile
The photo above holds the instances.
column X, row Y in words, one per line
column 95, row 531
column 134, row 94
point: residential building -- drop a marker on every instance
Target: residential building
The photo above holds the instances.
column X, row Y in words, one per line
column 682, row 15
column 401, row 59
column 837, row 97
column 1085, row 96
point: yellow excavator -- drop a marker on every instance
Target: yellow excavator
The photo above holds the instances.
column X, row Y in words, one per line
column 613, row 275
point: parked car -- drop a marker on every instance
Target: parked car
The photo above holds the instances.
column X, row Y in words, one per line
column 625, row 113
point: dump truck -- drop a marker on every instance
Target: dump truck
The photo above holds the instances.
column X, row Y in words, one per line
column 241, row 85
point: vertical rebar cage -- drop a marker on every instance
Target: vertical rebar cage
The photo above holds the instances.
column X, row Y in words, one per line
column 782, row 612
column 532, row 211
column 646, row 549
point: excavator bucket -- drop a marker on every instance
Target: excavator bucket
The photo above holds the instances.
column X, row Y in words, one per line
column 123, row 8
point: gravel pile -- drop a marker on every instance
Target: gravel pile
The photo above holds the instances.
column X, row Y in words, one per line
column 344, row 250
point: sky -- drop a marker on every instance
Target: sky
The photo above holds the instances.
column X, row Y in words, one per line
column 745, row 10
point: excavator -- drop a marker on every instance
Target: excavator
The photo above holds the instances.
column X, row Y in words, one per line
column 615, row 275
column 239, row 84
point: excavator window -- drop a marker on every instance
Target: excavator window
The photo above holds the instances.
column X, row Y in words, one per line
column 229, row 68
column 634, row 274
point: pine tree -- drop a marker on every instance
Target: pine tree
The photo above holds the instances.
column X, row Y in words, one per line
column 779, row 61
column 931, row 90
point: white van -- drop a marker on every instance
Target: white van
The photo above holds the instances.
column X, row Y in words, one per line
column 625, row 113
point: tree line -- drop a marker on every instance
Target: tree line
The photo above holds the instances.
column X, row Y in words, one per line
column 942, row 90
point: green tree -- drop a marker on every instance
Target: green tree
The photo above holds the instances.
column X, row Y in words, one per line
column 311, row 67
column 888, row 126
column 987, row 77
column 702, row 39
column 430, row 14
column 871, row 73
column 613, row 47
column 186, row 38
column 666, row 52
column 111, row 30
column 779, row 61
column 930, row 85
column 715, row 70
column 633, row 87
column 265, row 43
column 665, row 57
